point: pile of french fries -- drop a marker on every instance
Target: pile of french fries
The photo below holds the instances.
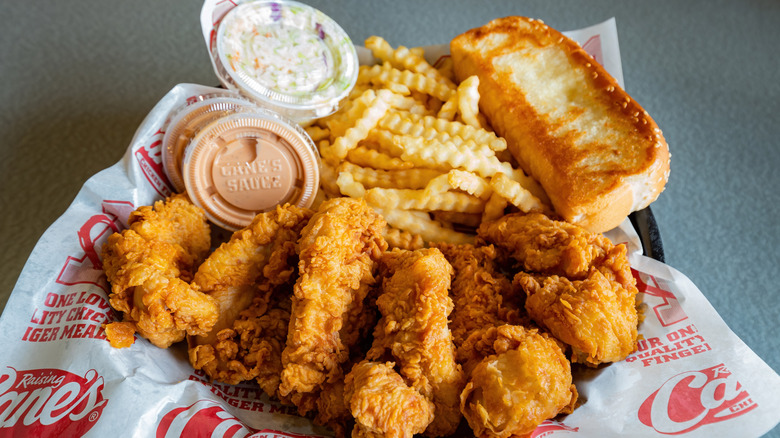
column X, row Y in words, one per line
column 413, row 143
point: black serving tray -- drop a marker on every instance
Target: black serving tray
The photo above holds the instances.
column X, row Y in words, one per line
column 645, row 225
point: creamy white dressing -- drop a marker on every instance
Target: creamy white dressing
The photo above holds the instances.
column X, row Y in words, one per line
column 286, row 59
column 288, row 55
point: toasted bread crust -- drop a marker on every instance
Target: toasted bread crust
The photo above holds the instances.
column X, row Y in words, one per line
column 596, row 151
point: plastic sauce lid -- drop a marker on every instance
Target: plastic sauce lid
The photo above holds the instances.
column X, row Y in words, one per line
column 186, row 122
column 288, row 56
column 247, row 163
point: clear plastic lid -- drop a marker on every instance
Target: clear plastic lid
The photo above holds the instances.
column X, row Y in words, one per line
column 286, row 55
column 186, row 121
column 248, row 162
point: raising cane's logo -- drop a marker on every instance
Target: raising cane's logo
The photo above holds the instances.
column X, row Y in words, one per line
column 206, row 418
column 693, row 399
column 49, row 402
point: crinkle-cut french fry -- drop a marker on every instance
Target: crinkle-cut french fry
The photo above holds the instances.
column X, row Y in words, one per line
column 449, row 109
column 367, row 121
column 356, row 91
column 460, row 180
column 406, row 199
column 418, row 222
column 438, row 185
column 328, row 175
column 366, row 77
column 380, row 48
column 457, row 129
column 405, row 58
column 404, row 123
column 428, row 153
column 353, row 109
column 397, row 238
column 515, row 193
column 468, row 101
column 383, row 139
column 366, row 157
column 416, row 178
column 349, row 113
column 399, row 89
column 494, row 207
column 317, row 133
column 528, row 183
column 349, row 187
column 470, row 183
column 394, row 123
column 418, row 51
column 407, row 103
column 415, row 81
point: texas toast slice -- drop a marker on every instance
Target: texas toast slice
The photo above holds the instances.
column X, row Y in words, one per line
column 596, row 152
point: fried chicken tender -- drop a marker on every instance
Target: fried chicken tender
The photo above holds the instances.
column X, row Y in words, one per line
column 413, row 330
column 483, row 296
column 251, row 278
column 338, row 250
column 518, row 379
column 596, row 316
column 546, row 246
column 252, row 348
column 579, row 286
column 149, row 266
column 382, row 404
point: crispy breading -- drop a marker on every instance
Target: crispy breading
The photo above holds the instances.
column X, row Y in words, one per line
column 251, row 277
column 518, row 378
column 413, row 330
column 579, row 285
column 543, row 245
column 149, row 266
column 482, row 294
column 338, row 250
column 382, row 404
column 596, row 316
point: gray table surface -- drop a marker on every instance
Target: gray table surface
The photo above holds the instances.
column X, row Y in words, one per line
column 77, row 77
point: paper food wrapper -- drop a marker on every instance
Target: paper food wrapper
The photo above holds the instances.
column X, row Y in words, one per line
column 691, row 376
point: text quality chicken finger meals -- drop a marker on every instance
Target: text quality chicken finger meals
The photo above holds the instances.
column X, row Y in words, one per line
column 449, row 274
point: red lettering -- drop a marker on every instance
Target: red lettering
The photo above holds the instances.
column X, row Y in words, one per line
column 47, row 397
column 26, row 333
column 65, row 300
column 50, row 300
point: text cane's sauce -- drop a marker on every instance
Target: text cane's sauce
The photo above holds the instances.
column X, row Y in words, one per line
column 247, row 163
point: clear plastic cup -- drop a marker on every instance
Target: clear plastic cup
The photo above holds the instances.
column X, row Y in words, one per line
column 287, row 56
column 248, row 162
column 186, row 121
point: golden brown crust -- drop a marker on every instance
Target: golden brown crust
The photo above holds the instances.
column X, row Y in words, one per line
column 596, row 151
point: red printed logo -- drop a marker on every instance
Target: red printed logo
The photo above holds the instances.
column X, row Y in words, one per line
column 693, row 399
column 549, row 427
column 150, row 162
column 669, row 310
column 49, row 402
column 205, row 419
column 88, row 269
